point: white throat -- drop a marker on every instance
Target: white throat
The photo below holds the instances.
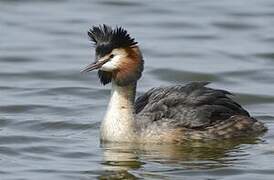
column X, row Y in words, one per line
column 118, row 124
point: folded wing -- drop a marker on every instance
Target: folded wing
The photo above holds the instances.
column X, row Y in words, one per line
column 191, row 106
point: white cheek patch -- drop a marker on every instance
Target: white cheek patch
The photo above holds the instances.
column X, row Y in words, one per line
column 109, row 66
column 112, row 64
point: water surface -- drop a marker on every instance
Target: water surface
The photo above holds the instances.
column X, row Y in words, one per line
column 50, row 113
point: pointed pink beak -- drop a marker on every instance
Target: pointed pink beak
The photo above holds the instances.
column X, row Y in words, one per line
column 95, row 65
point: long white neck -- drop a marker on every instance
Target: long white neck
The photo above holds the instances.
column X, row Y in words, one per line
column 118, row 124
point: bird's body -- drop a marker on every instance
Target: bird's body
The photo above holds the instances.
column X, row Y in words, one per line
column 172, row 114
column 175, row 114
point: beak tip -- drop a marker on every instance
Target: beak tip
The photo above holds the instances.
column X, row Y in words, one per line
column 93, row 66
column 90, row 67
column 82, row 71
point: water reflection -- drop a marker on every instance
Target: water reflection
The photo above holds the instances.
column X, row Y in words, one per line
column 120, row 159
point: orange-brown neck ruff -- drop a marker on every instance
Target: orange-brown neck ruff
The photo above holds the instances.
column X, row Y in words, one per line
column 130, row 69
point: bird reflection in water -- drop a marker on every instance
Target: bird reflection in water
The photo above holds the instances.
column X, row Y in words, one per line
column 126, row 160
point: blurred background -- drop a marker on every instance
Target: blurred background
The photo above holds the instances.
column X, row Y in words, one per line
column 50, row 113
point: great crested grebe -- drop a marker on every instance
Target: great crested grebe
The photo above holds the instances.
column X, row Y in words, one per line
column 171, row 114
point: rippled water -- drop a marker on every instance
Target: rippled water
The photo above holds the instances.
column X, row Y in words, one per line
column 50, row 113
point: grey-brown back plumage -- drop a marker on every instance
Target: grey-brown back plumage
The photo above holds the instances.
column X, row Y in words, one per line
column 193, row 106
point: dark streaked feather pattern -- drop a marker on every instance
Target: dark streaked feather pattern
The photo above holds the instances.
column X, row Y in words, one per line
column 192, row 105
column 105, row 77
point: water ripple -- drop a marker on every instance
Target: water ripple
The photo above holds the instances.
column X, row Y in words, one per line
column 30, row 108
column 183, row 76
column 16, row 139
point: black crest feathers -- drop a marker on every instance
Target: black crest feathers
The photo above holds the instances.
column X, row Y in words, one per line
column 106, row 39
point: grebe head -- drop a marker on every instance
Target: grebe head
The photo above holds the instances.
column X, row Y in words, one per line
column 118, row 57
